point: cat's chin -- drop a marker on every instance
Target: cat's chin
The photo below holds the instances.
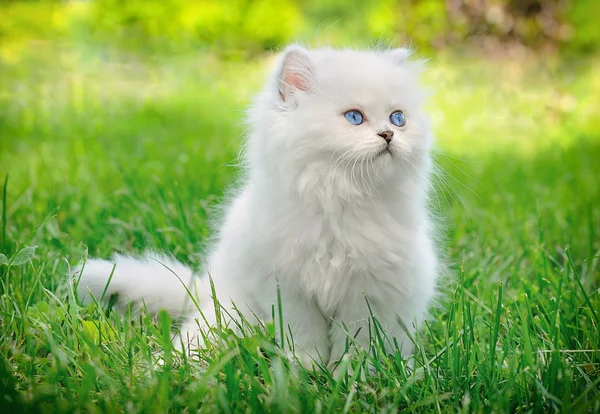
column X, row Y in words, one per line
column 386, row 152
column 385, row 163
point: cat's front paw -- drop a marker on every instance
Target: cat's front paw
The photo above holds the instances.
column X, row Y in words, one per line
column 308, row 360
column 188, row 342
column 347, row 366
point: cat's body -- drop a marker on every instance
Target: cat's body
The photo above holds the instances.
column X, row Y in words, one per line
column 331, row 212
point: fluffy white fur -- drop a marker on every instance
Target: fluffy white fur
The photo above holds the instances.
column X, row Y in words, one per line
column 323, row 211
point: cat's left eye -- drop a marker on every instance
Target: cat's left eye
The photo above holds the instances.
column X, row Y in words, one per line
column 397, row 118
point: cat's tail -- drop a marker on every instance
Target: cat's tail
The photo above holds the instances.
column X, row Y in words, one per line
column 152, row 281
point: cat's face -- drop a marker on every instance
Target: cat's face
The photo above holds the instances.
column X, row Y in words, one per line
column 347, row 117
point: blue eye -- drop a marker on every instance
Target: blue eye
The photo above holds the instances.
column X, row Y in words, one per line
column 354, row 117
column 397, row 118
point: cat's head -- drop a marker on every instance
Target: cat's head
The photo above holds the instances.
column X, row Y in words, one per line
column 340, row 120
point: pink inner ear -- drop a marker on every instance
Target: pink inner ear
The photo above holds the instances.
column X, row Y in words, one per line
column 293, row 80
column 296, row 74
column 296, row 80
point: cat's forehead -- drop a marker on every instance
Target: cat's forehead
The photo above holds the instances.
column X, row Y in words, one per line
column 363, row 76
column 326, row 58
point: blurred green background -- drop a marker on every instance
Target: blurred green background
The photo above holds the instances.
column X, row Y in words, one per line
column 251, row 26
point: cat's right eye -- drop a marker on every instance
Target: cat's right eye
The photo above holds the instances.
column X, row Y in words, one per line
column 354, row 117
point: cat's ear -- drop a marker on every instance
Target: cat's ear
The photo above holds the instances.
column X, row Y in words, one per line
column 296, row 72
column 398, row 56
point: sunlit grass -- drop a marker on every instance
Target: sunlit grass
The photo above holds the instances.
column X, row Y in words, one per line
column 109, row 152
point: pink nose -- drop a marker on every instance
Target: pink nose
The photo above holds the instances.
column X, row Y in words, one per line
column 387, row 135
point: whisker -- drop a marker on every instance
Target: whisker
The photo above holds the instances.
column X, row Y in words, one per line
column 437, row 151
column 369, row 175
column 440, row 170
column 459, row 200
column 460, row 169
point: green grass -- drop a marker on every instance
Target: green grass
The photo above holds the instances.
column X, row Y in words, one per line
column 106, row 152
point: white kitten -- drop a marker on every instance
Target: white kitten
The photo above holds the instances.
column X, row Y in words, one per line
column 332, row 209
